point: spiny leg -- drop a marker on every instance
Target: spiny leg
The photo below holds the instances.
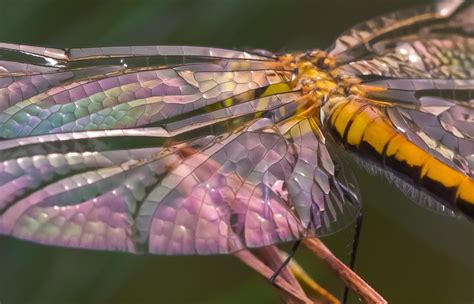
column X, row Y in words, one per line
column 285, row 262
column 355, row 244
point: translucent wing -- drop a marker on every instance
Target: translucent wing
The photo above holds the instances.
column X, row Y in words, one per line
column 87, row 98
column 442, row 127
column 417, row 65
column 437, row 115
column 374, row 36
column 112, row 149
column 433, row 41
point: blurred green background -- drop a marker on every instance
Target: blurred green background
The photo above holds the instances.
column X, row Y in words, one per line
column 408, row 254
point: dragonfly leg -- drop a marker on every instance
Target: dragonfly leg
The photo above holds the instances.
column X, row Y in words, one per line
column 355, row 244
column 285, row 262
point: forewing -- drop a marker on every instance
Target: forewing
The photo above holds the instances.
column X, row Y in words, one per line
column 433, row 41
column 375, row 35
column 126, row 97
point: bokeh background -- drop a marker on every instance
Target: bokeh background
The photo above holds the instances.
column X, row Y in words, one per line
column 408, row 254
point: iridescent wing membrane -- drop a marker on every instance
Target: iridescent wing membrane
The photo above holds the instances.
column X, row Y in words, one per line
column 166, row 150
column 419, row 67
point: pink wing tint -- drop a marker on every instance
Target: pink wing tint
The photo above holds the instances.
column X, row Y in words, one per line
column 165, row 150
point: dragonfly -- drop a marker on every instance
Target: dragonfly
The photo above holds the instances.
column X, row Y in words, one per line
column 183, row 150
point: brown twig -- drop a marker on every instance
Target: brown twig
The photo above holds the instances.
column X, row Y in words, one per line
column 350, row 278
column 296, row 294
column 303, row 277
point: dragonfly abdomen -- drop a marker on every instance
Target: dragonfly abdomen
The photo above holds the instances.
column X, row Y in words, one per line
column 366, row 130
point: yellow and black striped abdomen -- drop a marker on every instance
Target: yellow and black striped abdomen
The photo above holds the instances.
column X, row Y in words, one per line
column 364, row 129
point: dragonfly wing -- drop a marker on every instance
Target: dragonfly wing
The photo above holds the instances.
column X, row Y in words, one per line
column 429, row 83
column 433, row 41
column 370, row 36
column 64, row 194
column 187, row 158
column 127, row 98
column 213, row 194
column 437, row 115
column 439, row 57
column 266, row 185
column 323, row 192
column 417, row 68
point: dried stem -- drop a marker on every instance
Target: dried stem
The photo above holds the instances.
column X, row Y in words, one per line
column 350, row 278
column 302, row 276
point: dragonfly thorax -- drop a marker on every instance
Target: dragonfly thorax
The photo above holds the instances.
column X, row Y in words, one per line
column 316, row 75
